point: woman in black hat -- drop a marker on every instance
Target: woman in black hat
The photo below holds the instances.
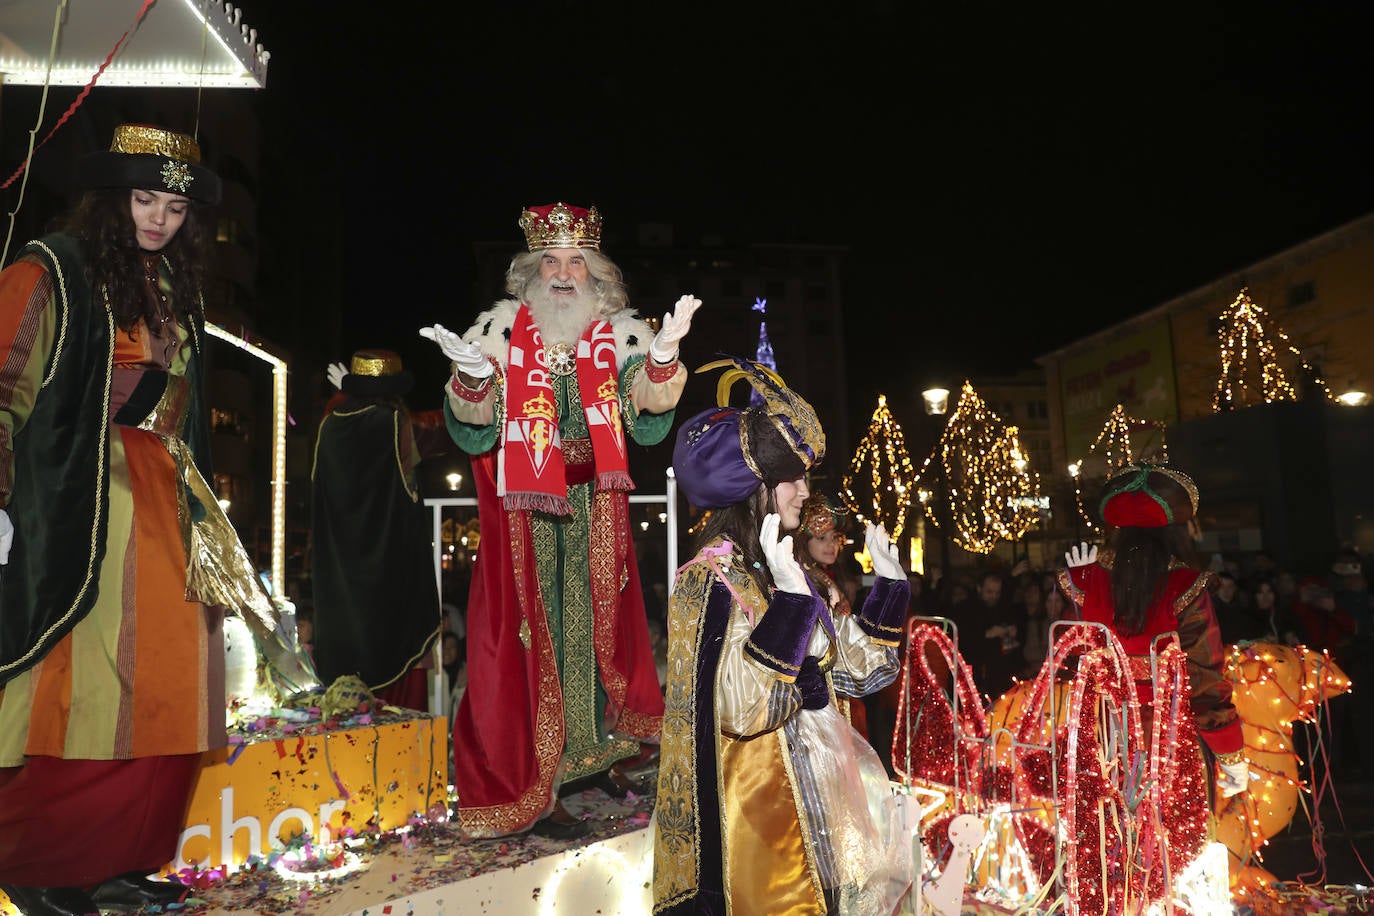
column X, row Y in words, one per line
column 768, row 801
column 117, row 558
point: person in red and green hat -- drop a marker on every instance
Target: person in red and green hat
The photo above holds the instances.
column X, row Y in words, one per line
column 1143, row 586
column 111, row 539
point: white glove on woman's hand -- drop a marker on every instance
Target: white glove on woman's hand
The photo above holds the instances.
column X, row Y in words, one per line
column 335, row 374
column 468, row 358
column 675, row 326
column 782, row 562
column 882, row 552
column 6, row 537
column 1081, row 555
column 1235, row 778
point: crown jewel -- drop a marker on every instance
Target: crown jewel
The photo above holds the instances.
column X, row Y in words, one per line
column 561, row 225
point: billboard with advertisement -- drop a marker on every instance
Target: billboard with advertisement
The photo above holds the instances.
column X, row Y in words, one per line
column 1136, row 370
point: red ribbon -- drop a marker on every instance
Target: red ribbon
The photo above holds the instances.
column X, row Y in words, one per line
column 82, row 96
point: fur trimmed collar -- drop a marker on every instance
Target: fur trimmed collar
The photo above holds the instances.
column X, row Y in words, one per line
column 492, row 330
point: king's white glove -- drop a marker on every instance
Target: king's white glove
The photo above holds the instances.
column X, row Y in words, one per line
column 782, row 562
column 882, row 552
column 335, row 374
column 1081, row 555
column 675, row 326
column 467, row 357
column 1235, row 778
column 6, row 537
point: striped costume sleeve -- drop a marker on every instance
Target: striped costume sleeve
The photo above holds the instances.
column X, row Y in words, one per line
column 27, row 327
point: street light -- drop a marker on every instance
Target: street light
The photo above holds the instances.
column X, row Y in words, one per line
column 936, row 401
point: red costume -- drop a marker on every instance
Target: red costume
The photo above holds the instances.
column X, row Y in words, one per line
column 1183, row 605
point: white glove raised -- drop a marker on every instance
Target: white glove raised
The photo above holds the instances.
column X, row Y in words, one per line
column 787, row 572
column 468, row 358
column 1235, row 778
column 675, row 326
column 6, row 537
column 882, row 552
column 1081, row 555
column 335, row 374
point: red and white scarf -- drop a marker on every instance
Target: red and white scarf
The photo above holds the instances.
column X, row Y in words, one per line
column 532, row 470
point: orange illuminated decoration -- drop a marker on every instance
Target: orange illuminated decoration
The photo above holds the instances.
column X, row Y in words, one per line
column 1274, row 687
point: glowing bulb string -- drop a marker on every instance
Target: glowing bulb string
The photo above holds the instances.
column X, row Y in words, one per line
column 1324, row 785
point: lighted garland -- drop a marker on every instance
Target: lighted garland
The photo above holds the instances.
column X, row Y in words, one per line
column 1113, row 445
column 1246, row 336
column 878, row 485
column 1275, row 687
column 990, row 488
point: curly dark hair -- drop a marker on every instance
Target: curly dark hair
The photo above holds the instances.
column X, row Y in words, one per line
column 104, row 223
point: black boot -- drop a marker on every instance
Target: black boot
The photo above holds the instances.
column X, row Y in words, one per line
column 134, row 890
column 561, row 824
column 51, row 901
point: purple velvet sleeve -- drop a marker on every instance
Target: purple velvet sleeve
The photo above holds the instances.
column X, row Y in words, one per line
column 780, row 637
column 884, row 611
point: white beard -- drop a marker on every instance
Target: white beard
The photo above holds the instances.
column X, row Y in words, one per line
column 561, row 319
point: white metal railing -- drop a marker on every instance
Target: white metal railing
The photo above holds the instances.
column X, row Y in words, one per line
column 668, row 499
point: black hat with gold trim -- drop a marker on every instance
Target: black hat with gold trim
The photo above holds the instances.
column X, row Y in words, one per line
column 151, row 158
column 376, row 374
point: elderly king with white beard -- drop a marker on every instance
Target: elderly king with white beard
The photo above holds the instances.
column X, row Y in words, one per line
column 546, row 387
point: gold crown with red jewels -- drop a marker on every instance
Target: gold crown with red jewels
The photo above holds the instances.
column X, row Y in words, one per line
column 561, row 225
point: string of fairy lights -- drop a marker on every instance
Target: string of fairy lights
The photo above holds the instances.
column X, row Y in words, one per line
column 990, row 489
column 1113, row 446
column 1247, row 335
column 878, row 484
column 983, row 475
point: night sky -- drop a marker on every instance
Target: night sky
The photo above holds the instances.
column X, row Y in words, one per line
column 1008, row 178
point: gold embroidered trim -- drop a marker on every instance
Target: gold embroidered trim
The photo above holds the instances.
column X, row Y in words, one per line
column 777, row 661
column 1190, row 594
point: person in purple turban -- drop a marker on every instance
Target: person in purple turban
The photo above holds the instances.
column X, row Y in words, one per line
column 768, row 801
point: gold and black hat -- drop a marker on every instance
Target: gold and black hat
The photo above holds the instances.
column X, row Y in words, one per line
column 376, row 374
column 151, row 158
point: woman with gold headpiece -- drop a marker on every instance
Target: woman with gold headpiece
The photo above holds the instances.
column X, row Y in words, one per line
column 820, row 541
column 117, row 557
column 768, row 802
